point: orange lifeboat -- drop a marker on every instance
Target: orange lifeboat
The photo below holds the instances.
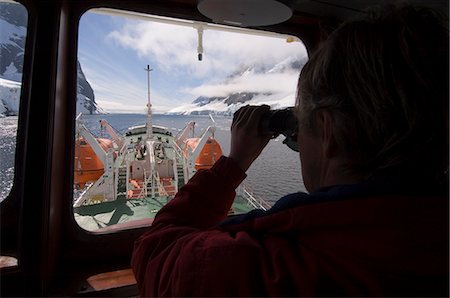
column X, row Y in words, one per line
column 210, row 153
column 88, row 167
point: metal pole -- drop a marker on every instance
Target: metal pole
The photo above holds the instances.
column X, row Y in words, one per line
column 149, row 106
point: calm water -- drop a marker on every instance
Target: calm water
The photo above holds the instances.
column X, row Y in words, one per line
column 274, row 174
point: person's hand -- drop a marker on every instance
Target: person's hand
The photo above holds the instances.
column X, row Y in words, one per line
column 246, row 142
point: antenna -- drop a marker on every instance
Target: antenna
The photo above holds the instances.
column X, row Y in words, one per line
column 149, row 105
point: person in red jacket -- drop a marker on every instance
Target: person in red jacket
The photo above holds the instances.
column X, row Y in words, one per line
column 372, row 109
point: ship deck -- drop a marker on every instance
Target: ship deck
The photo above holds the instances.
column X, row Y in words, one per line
column 128, row 213
column 124, row 213
column 134, row 139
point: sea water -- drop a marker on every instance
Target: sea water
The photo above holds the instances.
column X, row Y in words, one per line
column 274, row 174
column 8, row 131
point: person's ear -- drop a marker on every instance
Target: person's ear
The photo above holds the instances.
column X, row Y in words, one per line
column 325, row 123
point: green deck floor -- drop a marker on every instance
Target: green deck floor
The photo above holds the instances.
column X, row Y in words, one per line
column 108, row 214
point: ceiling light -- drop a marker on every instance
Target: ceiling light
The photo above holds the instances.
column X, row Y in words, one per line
column 245, row 12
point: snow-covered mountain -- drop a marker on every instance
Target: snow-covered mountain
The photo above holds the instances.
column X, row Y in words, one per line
column 258, row 84
column 9, row 97
column 13, row 22
column 85, row 96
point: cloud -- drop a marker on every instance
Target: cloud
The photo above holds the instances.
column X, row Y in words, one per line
column 128, row 45
column 119, row 92
column 113, row 106
column 262, row 83
column 275, row 101
column 111, row 91
column 189, row 107
column 113, row 103
column 175, row 47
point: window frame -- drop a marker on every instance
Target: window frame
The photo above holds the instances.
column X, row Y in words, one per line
column 10, row 206
column 116, row 243
column 50, row 240
column 183, row 23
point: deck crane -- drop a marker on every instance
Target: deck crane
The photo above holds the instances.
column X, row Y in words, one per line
column 103, row 189
column 194, row 150
column 184, row 134
column 118, row 140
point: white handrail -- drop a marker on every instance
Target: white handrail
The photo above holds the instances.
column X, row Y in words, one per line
column 161, row 186
column 193, row 24
column 145, row 183
column 256, row 202
column 178, row 150
column 85, row 195
column 144, row 191
column 79, row 201
column 180, row 154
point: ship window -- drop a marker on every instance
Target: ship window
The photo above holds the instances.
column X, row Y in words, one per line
column 13, row 31
column 193, row 76
column 13, row 24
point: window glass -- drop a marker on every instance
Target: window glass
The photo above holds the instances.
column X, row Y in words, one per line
column 190, row 73
column 13, row 30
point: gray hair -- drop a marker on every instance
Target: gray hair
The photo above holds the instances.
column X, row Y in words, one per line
column 385, row 81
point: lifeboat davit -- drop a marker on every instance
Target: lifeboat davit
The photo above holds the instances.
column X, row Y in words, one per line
column 210, row 153
column 88, row 167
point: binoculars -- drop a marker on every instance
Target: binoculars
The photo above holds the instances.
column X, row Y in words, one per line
column 284, row 122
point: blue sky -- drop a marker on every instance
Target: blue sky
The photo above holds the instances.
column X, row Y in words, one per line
column 114, row 50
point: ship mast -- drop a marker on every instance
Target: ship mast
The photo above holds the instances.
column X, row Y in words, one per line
column 149, row 106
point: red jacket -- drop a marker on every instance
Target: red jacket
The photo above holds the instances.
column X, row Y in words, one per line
column 331, row 243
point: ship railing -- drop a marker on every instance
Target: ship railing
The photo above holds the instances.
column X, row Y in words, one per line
column 161, row 189
column 82, row 198
column 178, row 150
column 123, row 151
column 87, row 196
column 175, row 172
column 146, row 182
column 141, row 194
column 144, row 191
column 121, row 156
column 179, row 153
column 256, row 202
